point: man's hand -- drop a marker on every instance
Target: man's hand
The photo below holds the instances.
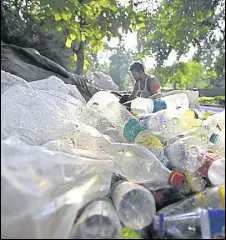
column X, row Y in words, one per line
column 134, row 93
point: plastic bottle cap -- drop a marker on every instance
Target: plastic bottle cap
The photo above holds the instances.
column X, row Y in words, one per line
column 176, row 179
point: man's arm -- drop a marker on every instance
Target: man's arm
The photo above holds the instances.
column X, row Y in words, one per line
column 134, row 93
column 154, row 85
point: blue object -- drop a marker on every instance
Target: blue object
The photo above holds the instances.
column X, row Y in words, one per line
column 159, row 105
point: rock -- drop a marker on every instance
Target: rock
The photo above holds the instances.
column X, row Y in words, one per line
column 27, row 64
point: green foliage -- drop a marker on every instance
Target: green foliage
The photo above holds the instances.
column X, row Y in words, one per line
column 219, row 100
column 84, row 21
column 176, row 25
column 128, row 233
column 182, row 75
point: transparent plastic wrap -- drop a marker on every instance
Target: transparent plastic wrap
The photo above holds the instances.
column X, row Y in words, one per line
column 38, row 115
column 42, row 190
column 9, row 80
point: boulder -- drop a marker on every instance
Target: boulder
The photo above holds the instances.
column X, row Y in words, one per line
column 29, row 65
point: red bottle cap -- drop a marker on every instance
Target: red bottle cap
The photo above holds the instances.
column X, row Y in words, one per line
column 176, row 179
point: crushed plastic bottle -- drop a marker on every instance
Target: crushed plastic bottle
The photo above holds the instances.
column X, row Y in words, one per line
column 134, row 204
column 197, row 224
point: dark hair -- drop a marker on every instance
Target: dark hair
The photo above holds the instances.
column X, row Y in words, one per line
column 136, row 66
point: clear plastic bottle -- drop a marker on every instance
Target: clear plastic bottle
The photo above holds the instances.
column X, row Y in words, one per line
column 213, row 168
column 197, row 224
column 134, row 204
column 101, row 99
column 183, row 154
column 99, row 220
column 177, row 101
column 209, row 198
column 133, row 130
column 167, row 123
column 215, row 122
column 207, row 139
column 147, row 105
column 137, row 164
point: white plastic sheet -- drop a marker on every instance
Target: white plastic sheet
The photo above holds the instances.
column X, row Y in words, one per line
column 42, row 190
column 38, row 115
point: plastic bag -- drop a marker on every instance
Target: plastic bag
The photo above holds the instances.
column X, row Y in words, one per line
column 38, row 115
column 42, row 190
column 55, row 83
column 9, row 80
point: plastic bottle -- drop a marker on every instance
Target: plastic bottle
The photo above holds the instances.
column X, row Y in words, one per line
column 207, row 139
column 183, row 154
column 212, row 167
column 101, row 99
column 133, row 130
column 137, row 164
column 209, row 198
column 134, row 204
column 146, row 105
column 98, row 221
column 215, row 122
column 186, row 150
column 167, row 123
column 197, row 224
column 176, row 101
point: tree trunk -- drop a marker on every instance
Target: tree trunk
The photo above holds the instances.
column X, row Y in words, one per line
column 80, row 61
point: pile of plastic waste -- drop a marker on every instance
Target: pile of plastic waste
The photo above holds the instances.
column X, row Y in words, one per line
column 71, row 169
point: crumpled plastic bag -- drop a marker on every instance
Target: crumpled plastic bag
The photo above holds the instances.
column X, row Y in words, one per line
column 38, row 115
column 9, row 80
column 55, row 83
column 42, row 190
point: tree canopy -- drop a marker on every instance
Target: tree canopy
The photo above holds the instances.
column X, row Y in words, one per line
column 82, row 27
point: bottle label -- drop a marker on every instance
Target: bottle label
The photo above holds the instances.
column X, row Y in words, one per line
column 148, row 140
column 214, row 138
column 217, row 223
column 132, row 128
column 145, row 121
column 206, row 161
column 159, row 105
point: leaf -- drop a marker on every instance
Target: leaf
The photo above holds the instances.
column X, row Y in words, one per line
column 75, row 57
column 57, row 17
column 83, row 37
column 73, row 36
column 141, row 25
column 66, row 16
column 141, row 19
column 134, row 27
column 104, row 3
column 59, row 28
column 68, row 43
column 129, row 233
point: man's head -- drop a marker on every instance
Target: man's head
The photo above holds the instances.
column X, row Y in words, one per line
column 137, row 70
